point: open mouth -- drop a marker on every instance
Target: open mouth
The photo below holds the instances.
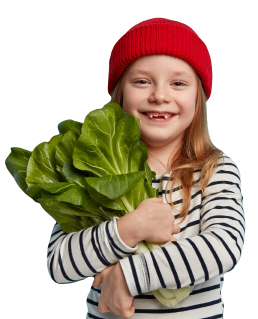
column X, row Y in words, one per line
column 159, row 118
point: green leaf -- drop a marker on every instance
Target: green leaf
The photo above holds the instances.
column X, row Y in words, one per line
column 73, row 175
column 105, row 144
column 149, row 173
column 109, row 145
column 17, row 159
column 77, row 196
column 17, row 163
column 70, row 125
column 67, row 192
column 77, row 218
column 41, row 166
column 66, row 209
column 84, row 205
column 115, row 204
column 64, row 149
column 56, row 212
column 56, row 188
column 115, row 186
column 34, row 191
column 68, row 228
column 137, row 155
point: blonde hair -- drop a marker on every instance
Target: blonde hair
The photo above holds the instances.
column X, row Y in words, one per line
column 196, row 153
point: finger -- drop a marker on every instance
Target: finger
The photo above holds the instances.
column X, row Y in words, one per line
column 97, row 280
column 129, row 313
column 176, row 229
column 103, row 307
column 173, row 238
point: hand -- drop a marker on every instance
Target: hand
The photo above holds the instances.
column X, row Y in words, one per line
column 115, row 295
column 156, row 221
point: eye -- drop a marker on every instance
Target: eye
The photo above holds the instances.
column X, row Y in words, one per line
column 141, row 81
column 180, row 83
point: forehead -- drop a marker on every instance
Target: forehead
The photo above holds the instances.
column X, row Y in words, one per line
column 166, row 63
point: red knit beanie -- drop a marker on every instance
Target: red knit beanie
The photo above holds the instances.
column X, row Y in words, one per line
column 160, row 36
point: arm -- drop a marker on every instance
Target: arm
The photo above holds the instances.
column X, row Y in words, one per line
column 128, row 227
column 130, row 231
column 75, row 256
column 194, row 260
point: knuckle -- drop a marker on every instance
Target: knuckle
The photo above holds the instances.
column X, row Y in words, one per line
column 117, row 305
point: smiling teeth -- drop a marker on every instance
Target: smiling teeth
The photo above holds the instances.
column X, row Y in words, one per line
column 166, row 116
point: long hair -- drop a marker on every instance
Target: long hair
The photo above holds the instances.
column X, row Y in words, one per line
column 196, row 153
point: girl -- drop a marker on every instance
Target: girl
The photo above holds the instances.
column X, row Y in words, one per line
column 160, row 71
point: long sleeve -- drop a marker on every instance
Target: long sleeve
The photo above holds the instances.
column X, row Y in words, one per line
column 194, row 259
column 75, row 256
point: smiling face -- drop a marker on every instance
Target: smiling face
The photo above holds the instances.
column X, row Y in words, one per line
column 160, row 83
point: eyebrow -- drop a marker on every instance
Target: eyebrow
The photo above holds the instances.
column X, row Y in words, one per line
column 147, row 72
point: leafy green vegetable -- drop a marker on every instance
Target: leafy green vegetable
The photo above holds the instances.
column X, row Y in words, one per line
column 89, row 173
column 16, row 164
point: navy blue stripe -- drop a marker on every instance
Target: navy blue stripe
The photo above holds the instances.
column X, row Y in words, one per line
column 180, row 309
column 62, row 267
column 225, row 216
column 226, row 225
column 194, row 292
column 56, row 232
column 169, row 310
column 83, row 252
column 113, row 244
column 224, row 182
column 187, row 265
column 196, row 222
column 223, row 207
column 173, row 269
column 213, row 253
column 71, row 257
column 52, row 242
column 228, row 172
column 137, row 284
column 234, row 237
column 219, row 206
column 158, row 270
column 51, row 268
column 204, row 267
column 214, row 317
column 97, row 251
column 227, row 248
column 199, row 291
column 97, row 230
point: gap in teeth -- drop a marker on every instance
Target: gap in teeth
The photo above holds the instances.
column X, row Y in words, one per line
column 166, row 116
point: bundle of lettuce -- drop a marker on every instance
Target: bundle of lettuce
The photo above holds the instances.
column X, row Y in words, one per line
column 89, row 173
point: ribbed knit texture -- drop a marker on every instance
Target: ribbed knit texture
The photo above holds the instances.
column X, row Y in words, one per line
column 161, row 36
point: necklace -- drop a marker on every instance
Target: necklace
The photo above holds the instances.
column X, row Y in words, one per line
column 159, row 161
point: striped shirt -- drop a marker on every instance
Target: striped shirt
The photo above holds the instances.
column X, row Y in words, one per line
column 209, row 245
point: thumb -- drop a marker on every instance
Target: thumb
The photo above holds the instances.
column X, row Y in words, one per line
column 176, row 229
column 132, row 309
column 97, row 281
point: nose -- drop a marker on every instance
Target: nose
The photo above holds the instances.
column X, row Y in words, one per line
column 160, row 94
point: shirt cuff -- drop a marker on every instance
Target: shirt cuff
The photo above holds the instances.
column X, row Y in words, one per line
column 117, row 248
column 138, row 271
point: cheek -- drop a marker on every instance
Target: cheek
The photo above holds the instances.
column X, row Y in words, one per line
column 190, row 115
column 187, row 112
column 129, row 102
